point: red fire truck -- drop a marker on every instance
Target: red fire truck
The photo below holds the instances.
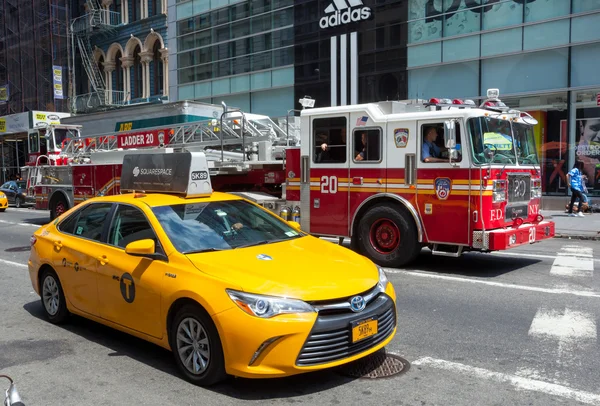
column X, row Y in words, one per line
column 392, row 176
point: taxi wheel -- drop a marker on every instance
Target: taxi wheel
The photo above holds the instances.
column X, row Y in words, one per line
column 53, row 298
column 388, row 236
column 196, row 346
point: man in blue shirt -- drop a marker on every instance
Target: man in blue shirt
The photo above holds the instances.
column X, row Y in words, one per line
column 431, row 152
column 575, row 181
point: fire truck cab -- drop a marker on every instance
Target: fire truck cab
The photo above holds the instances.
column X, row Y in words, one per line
column 46, row 142
column 397, row 176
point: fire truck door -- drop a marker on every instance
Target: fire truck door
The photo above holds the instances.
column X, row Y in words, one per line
column 443, row 188
column 329, row 157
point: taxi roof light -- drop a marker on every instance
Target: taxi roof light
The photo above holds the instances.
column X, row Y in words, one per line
column 177, row 173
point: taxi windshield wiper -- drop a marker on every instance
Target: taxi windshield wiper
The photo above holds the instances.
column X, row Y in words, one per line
column 212, row 249
column 251, row 244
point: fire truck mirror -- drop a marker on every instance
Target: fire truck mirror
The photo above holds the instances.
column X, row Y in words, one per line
column 450, row 134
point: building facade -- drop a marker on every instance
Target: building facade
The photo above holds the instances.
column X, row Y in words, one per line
column 543, row 55
column 119, row 54
column 239, row 52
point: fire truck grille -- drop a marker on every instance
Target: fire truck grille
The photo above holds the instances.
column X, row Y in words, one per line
column 519, row 187
column 331, row 337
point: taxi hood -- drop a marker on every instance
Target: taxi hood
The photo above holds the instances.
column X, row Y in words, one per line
column 305, row 268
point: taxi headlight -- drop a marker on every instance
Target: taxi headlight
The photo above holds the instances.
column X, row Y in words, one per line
column 267, row 306
column 383, row 280
column 2, row 195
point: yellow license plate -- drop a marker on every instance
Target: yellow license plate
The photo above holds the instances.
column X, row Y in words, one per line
column 363, row 329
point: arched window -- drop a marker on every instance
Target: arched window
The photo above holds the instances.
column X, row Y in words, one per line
column 138, row 83
column 157, row 64
column 118, row 82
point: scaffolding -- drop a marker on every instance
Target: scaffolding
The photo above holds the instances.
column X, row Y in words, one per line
column 96, row 22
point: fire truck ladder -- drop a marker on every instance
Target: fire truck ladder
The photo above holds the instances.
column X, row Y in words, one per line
column 207, row 136
column 96, row 21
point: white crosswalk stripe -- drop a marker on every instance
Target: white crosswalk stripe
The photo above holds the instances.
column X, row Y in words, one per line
column 574, row 261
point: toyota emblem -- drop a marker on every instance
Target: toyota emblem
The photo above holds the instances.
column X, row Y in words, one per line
column 357, row 304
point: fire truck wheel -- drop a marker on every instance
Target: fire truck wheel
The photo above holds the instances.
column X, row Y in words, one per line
column 388, row 236
column 57, row 207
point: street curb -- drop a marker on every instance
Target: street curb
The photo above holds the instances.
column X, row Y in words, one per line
column 578, row 237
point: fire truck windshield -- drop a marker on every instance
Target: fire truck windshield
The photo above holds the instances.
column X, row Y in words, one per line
column 60, row 135
column 499, row 141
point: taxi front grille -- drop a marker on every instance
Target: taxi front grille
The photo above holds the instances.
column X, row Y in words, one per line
column 331, row 337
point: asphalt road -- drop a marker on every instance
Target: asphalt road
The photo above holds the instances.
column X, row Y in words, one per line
column 517, row 328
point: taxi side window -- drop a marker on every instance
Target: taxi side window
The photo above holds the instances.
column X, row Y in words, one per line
column 91, row 220
column 130, row 224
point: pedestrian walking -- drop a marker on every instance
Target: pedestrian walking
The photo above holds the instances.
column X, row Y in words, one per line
column 575, row 182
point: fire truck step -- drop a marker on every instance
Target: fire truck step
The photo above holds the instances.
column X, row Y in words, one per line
column 447, row 250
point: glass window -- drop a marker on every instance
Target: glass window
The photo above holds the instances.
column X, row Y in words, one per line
column 184, row 10
column 283, row 57
column 426, row 54
column 273, row 102
column 223, row 68
column 220, row 16
column 461, row 22
column 432, row 143
column 261, row 23
column 426, row 20
column 284, row 17
column 261, row 42
column 329, row 136
column 491, row 140
column 502, row 42
column 461, row 48
column 261, row 80
column 241, row 65
column 186, row 75
column 216, row 226
column 203, row 38
column 240, row 84
column 537, row 10
column 580, row 6
column 34, row 145
column 502, row 14
column 546, row 35
column 202, row 22
column 186, row 42
column 367, row 145
column 204, row 72
column 260, row 6
column 240, row 11
column 585, row 28
column 129, row 224
column 241, row 47
column 585, row 60
column 185, row 26
column 261, row 61
column 282, row 38
column 91, row 220
column 221, row 33
column 6, row 185
column 526, row 72
column 240, row 29
column 221, row 87
column 525, row 144
column 451, row 81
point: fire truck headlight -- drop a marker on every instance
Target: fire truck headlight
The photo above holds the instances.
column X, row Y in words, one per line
column 499, row 191
column 383, row 280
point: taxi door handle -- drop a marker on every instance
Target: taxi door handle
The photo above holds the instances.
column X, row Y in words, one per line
column 103, row 260
column 58, row 245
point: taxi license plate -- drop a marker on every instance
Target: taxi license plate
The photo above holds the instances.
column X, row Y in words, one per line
column 363, row 329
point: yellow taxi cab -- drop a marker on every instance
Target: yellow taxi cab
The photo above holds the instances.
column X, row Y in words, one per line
column 226, row 285
column 3, row 202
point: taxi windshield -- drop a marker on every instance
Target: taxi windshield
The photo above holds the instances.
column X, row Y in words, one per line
column 216, row 226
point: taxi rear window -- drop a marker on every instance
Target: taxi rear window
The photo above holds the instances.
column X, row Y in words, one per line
column 214, row 226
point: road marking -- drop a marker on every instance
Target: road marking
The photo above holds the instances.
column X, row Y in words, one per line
column 518, row 254
column 574, row 261
column 20, row 224
column 555, row 291
column 514, row 380
column 4, row 261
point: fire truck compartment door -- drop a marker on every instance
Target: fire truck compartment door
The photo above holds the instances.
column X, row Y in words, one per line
column 329, row 171
column 443, row 189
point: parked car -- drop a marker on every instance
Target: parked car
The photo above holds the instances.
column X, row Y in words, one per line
column 16, row 192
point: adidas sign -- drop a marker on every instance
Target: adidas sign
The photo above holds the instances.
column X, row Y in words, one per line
column 342, row 12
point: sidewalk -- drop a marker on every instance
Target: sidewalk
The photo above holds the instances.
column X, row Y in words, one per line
column 587, row 227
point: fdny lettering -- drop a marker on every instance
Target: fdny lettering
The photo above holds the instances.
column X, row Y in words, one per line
column 496, row 214
column 534, row 209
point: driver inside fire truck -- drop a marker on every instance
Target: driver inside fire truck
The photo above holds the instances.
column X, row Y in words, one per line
column 431, row 151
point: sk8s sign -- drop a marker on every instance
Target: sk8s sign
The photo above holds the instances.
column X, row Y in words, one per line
column 442, row 188
column 341, row 12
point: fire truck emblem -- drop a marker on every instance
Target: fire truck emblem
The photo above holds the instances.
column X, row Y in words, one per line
column 161, row 137
column 442, row 188
column 401, row 137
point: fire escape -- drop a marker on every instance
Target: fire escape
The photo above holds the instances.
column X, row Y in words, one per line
column 96, row 22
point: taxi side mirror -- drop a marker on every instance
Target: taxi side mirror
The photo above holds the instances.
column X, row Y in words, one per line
column 143, row 248
column 294, row 224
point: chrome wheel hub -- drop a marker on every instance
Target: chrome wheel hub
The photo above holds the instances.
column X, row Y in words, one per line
column 50, row 295
column 193, row 346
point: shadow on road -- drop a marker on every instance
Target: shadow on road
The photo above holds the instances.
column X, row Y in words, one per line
column 125, row 345
column 40, row 221
column 470, row 264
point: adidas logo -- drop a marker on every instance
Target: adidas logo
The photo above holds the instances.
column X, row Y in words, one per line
column 342, row 12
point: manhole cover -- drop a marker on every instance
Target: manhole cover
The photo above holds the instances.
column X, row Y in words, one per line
column 18, row 249
column 376, row 365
